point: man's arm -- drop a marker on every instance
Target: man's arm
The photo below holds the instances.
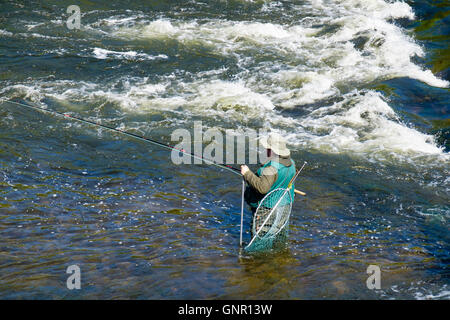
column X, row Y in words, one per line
column 263, row 183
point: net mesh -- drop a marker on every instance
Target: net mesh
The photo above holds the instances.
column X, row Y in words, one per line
column 271, row 221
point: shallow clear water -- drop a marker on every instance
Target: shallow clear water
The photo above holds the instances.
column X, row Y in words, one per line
column 360, row 88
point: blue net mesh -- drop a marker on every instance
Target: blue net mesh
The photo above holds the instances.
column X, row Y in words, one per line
column 271, row 221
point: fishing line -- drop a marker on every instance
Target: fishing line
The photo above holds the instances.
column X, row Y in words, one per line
column 158, row 143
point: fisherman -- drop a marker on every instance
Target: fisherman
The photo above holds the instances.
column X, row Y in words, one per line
column 275, row 173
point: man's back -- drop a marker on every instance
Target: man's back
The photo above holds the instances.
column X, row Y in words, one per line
column 275, row 173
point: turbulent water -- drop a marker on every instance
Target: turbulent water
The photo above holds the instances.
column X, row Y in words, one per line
column 358, row 87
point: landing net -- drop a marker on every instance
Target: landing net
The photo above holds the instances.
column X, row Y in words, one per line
column 271, row 221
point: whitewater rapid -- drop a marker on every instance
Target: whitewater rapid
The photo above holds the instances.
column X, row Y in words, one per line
column 324, row 63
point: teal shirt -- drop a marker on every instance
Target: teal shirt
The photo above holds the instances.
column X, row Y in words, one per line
column 285, row 174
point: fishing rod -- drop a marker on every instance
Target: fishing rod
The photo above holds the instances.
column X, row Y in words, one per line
column 158, row 143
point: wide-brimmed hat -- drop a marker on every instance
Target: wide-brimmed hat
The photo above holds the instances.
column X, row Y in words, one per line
column 276, row 143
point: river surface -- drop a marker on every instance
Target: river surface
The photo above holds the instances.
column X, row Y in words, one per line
column 358, row 87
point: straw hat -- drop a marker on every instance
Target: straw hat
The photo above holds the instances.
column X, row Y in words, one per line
column 276, row 143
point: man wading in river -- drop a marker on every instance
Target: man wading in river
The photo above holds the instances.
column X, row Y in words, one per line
column 275, row 173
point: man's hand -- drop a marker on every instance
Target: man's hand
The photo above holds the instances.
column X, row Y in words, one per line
column 244, row 169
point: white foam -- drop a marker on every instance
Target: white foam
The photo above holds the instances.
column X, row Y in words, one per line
column 364, row 124
column 5, row 33
column 387, row 53
column 315, row 86
column 444, row 293
column 38, row 35
column 100, row 53
column 338, row 46
column 378, row 8
column 33, row 25
column 159, row 27
column 117, row 20
column 224, row 95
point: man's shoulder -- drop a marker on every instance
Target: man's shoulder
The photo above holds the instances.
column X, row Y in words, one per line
column 279, row 162
column 269, row 171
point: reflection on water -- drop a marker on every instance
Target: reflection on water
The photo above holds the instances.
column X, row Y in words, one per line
column 140, row 231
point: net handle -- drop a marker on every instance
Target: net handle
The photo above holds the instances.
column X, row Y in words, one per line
column 296, row 175
column 242, row 210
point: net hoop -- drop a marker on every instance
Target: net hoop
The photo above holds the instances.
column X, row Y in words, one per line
column 275, row 208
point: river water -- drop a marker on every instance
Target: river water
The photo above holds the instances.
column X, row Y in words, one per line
column 358, row 87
